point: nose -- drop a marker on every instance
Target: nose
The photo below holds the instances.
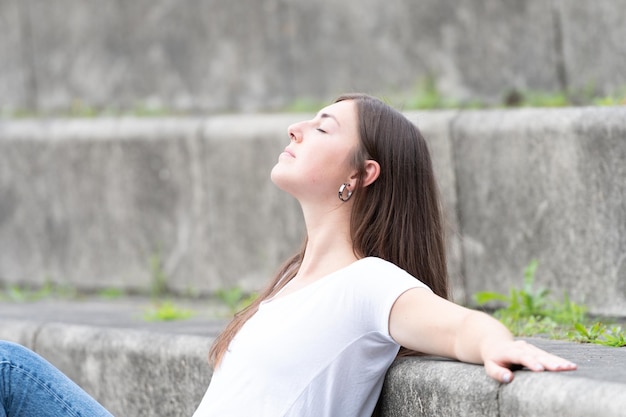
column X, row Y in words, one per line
column 295, row 134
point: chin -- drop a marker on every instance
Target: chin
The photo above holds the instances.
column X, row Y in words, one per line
column 281, row 181
column 275, row 177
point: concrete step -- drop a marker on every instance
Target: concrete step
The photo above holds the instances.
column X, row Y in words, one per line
column 118, row 203
column 139, row 368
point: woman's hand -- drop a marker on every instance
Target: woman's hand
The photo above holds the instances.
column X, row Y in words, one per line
column 426, row 323
column 500, row 356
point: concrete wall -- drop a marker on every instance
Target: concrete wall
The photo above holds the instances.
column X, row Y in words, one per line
column 547, row 185
column 215, row 55
column 94, row 203
column 98, row 203
column 130, row 372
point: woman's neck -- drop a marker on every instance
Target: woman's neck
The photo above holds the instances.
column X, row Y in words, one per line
column 329, row 245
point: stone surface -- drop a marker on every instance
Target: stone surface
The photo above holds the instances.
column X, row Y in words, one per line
column 494, row 47
column 16, row 81
column 435, row 127
column 137, row 368
column 593, row 39
column 119, row 202
column 132, row 373
column 116, row 203
column 545, row 185
column 251, row 226
column 595, row 388
column 420, row 387
column 218, row 55
column 76, row 189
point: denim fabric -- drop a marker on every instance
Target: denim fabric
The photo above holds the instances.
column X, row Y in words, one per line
column 31, row 387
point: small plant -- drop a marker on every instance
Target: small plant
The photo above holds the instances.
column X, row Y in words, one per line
column 158, row 284
column 235, row 299
column 15, row 293
column 166, row 311
column 614, row 337
column 426, row 96
column 537, row 99
column 615, row 100
column 598, row 333
column 23, row 293
column 532, row 312
column 111, row 293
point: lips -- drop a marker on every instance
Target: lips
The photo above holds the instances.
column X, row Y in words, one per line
column 289, row 152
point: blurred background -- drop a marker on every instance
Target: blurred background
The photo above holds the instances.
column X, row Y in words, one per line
column 180, row 201
column 137, row 137
column 147, row 57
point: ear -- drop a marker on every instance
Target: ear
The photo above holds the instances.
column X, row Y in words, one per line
column 372, row 171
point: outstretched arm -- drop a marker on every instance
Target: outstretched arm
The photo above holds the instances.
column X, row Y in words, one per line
column 425, row 322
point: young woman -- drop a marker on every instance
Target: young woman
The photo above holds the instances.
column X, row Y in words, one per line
column 371, row 278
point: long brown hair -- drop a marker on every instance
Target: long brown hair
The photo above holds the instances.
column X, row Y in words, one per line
column 397, row 217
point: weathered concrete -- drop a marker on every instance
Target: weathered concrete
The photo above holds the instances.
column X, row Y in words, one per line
column 98, row 203
column 583, row 30
column 107, row 198
column 436, row 128
column 116, row 202
column 131, row 372
column 547, row 185
column 423, row 387
column 138, row 368
column 216, row 55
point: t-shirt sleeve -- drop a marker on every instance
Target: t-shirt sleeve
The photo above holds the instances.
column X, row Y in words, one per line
column 380, row 284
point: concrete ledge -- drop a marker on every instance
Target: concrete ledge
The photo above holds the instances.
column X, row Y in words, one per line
column 131, row 372
column 97, row 203
column 157, row 372
column 439, row 387
column 115, row 202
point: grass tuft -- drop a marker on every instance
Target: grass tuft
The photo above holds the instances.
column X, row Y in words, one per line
column 533, row 312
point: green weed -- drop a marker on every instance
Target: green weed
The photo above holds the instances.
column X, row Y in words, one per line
column 158, row 277
column 111, row 293
column 532, row 312
column 598, row 333
column 235, row 299
column 166, row 311
column 610, row 100
column 24, row 293
column 426, row 96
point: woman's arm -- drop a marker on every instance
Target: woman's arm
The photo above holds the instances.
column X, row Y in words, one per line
column 425, row 322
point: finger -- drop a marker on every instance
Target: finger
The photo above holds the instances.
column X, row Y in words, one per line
column 556, row 363
column 499, row 373
column 536, row 359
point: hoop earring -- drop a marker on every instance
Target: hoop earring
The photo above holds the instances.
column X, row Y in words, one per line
column 342, row 189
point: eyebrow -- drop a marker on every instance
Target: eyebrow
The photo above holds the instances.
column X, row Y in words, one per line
column 329, row 116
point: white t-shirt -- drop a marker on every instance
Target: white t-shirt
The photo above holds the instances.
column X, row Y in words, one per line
column 321, row 351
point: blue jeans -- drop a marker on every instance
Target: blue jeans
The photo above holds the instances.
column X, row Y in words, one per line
column 30, row 386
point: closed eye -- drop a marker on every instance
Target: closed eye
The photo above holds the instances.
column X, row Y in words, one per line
column 321, row 130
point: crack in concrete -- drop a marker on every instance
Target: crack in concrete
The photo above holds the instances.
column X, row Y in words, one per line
column 458, row 212
column 561, row 70
column 28, row 55
column 498, row 391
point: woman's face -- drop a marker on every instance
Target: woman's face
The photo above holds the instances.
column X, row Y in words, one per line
column 318, row 159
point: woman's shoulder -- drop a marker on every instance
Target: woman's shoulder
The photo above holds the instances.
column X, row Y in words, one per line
column 380, row 264
column 377, row 267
